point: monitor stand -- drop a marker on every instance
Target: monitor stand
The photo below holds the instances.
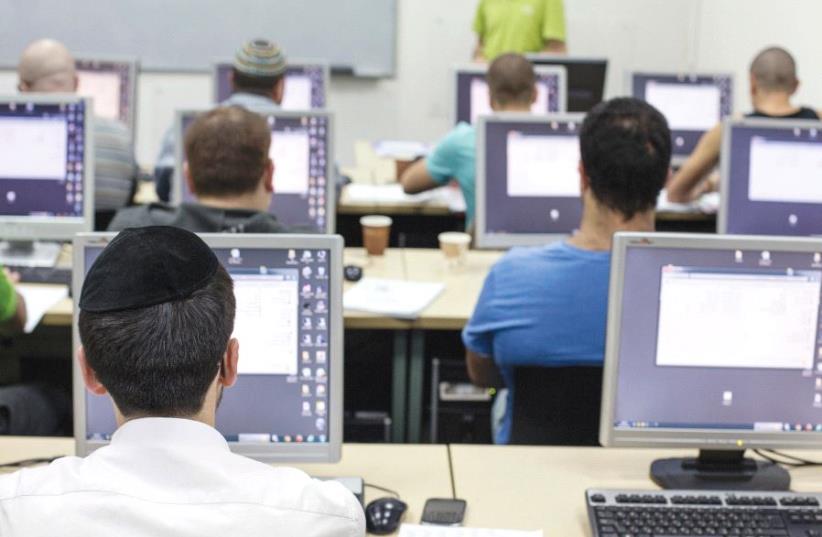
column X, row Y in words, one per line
column 719, row 470
column 29, row 253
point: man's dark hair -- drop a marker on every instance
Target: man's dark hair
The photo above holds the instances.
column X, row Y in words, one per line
column 161, row 360
column 258, row 85
column 511, row 80
column 774, row 69
column 625, row 145
column 227, row 151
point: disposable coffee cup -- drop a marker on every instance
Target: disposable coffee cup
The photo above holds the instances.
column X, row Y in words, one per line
column 454, row 246
column 376, row 229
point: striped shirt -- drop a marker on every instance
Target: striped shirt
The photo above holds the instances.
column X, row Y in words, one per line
column 115, row 168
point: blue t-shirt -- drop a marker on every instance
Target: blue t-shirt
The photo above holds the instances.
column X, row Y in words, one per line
column 545, row 306
column 455, row 158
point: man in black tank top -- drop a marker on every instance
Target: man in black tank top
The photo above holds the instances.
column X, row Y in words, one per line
column 773, row 82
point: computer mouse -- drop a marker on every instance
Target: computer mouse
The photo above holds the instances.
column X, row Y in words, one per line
column 352, row 273
column 382, row 516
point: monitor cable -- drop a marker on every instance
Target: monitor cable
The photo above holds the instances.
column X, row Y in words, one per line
column 783, row 459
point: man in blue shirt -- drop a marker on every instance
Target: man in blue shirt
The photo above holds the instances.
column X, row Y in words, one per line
column 547, row 306
column 512, row 88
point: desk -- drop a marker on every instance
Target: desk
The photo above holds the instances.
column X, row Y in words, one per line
column 450, row 311
column 543, row 487
column 428, row 205
column 415, row 472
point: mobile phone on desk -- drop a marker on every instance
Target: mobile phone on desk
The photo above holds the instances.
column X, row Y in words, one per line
column 443, row 512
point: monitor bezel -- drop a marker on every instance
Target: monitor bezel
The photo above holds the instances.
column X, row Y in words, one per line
column 501, row 241
column 543, row 58
column 271, row 452
column 728, row 127
column 540, row 70
column 330, row 183
column 715, row 439
column 679, row 159
column 133, row 64
column 296, row 62
column 32, row 228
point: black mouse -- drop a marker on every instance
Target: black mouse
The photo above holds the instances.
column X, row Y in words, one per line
column 382, row 516
column 352, row 273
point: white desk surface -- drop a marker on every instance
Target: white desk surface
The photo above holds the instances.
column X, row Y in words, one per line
column 531, row 488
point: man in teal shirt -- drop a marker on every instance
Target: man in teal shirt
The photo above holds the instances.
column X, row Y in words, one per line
column 12, row 308
column 519, row 26
column 512, row 88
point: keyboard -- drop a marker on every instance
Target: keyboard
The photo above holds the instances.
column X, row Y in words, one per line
column 675, row 513
column 55, row 275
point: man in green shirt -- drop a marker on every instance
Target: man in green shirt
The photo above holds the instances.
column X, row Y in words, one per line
column 12, row 308
column 519, row 26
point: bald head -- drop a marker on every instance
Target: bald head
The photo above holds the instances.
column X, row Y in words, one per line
column 512, row 81
column 774, row 70
column 47, row 66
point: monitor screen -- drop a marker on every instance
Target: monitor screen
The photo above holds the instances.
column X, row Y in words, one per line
column 305, row 85
column 527, row 179
column 43, row 159
column 111, row 85
column 586, row 78
column 692, row 104
column 474, row 100
column 715, row 335
column 300, row 148
column 285, row 320
column 770, row 178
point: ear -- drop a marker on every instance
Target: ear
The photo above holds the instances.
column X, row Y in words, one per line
column 795, row 86
column 76, row 83
column 231, row 80
column 23, row 87
column 584, row 181
column 187, row 176
column 279, row 91
column 534, row 94
column 89, row 376
column 268, row 176
column 752, row 81
column 228, row 370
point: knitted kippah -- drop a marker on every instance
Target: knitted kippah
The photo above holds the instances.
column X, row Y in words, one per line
column 260, row 57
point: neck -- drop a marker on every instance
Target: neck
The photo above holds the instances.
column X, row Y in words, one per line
column 253, row 201
column 596, row 231
column 773, row 103
column 516, row 107
column 207, row 414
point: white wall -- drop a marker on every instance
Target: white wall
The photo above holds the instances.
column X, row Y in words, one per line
column 435, row 35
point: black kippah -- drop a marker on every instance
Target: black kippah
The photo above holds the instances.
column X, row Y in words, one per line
column 147, row 266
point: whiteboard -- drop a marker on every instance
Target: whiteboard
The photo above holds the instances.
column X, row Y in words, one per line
column 356, row 36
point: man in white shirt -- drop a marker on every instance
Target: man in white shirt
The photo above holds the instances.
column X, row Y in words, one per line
column 156, row 318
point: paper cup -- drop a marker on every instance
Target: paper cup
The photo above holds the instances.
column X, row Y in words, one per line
column 454, row 246
column 376, row 229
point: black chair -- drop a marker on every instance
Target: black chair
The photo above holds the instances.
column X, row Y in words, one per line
column 556, row 406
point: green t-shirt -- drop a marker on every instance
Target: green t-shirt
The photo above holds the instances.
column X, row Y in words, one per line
column 518, row 25
column 8, row 298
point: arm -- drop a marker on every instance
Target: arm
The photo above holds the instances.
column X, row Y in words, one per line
column 13, row 307
column 479, row 29
column 479, row 55
column 684, row 184
column 416, row 178
column 553, row 27
column 555, row 46
column 483, row 371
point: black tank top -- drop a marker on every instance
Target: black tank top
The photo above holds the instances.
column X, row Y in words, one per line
column 802, row 113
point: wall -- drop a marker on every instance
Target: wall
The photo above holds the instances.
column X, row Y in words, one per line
column 435, row 35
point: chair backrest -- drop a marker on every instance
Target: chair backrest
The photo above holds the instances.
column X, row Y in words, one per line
column 556, row 406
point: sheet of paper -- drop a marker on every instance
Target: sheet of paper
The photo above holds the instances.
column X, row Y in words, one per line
column 393, row 194
column 39, row 299
column 412, row 530
column 400, row 149
column 394, row 298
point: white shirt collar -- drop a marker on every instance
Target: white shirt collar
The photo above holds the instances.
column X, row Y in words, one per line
column 167, row 432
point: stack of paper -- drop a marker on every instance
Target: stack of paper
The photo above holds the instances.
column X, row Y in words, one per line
column 392, row 298
column 410, row 530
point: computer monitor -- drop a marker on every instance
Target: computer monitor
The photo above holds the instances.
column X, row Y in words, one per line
column 714, row 343
column 586, row 78
column 527, row 179
column 46, row 175
column 306, row 84
column 770, row 177
column 692, row 104
column 112, row 84
column 287, row 402
column 472, row 96
column 304, row 195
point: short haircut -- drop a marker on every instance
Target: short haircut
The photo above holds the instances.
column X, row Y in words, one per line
column 161, row 360
column 256, row 84
column 227, row 151
column 511, row 79
column 774, row 69
column 625, row 146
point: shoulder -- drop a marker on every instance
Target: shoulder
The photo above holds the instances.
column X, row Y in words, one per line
column 56, row 478
column 463, row 136
column 143, row 215
column 111, row 127
column 555, row 257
